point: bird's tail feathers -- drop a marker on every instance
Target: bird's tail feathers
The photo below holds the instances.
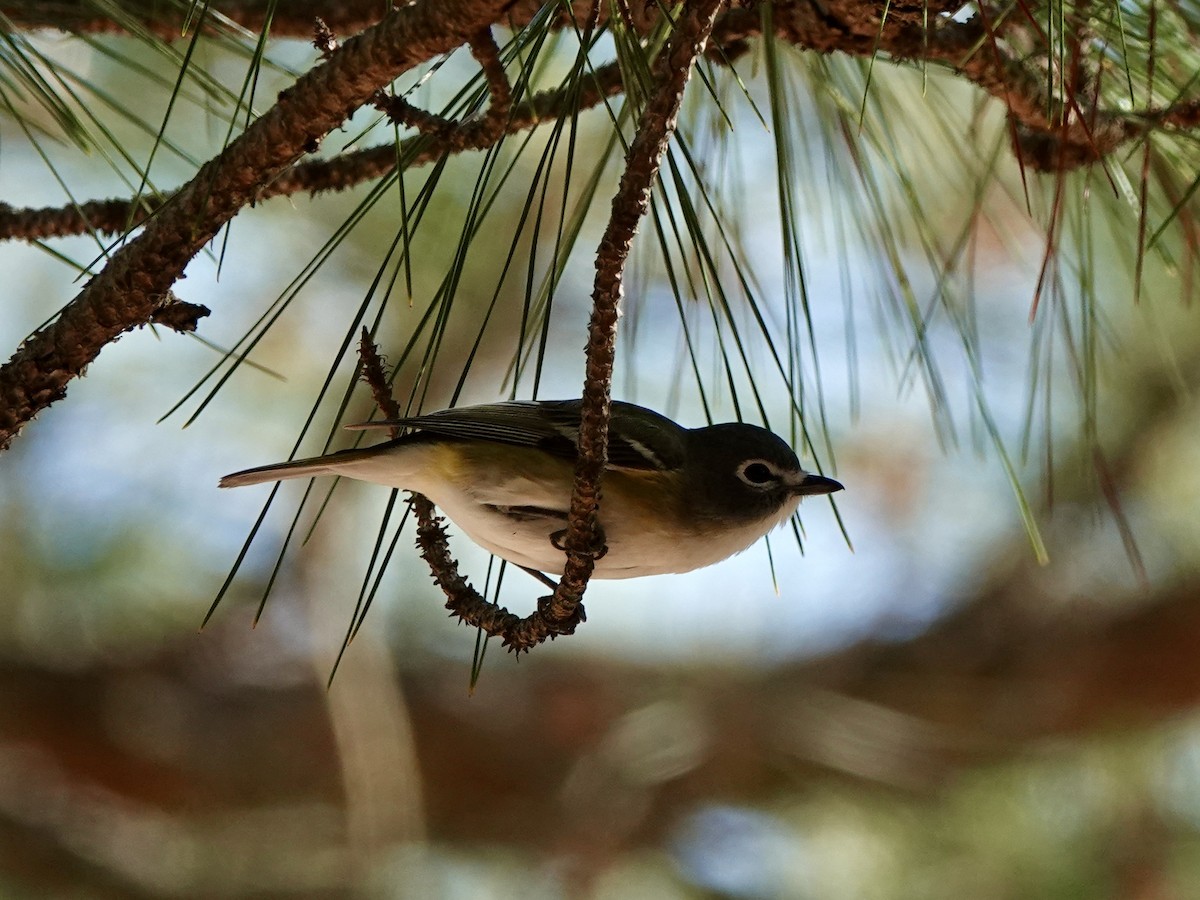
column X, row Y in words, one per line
column 298, row 468
column 377, row 425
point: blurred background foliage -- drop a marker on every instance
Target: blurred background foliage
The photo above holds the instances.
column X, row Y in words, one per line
column 992, row 695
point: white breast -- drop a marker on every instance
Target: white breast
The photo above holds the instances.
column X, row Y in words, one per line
column 526, row 540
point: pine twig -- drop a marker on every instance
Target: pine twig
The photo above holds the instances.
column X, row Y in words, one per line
column 453, row 136
column 584, row 543
column 463, row 601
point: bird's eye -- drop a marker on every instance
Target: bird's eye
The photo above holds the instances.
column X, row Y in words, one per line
column 757, row 473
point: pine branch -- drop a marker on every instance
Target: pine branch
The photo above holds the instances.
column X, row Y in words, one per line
column 130, row 287
column 584, row 541
column 1050, row 133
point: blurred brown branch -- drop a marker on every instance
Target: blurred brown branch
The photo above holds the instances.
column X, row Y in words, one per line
column 992, row 680
column 532, row 760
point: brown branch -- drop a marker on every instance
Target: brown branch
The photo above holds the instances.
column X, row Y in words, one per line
column 462, row 599
column 105, row 216
column 374, row 374
column 584, row 542
column 464, row 602
column 400, row 112
column 911, row 31
column 453, row 136
column 491, row 125
column 1052, row 134
column 291, row 19
column 125, row 294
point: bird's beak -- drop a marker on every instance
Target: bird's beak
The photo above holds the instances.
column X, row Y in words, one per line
column 816, row 484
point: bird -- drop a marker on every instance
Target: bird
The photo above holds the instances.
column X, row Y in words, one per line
column 673, row 499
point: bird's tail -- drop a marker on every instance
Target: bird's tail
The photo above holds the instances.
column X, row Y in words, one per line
column 298, row 468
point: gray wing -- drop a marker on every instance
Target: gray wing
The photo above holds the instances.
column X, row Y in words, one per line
column 638, row 438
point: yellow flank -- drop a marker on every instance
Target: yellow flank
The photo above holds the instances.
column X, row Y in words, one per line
column 447, row 462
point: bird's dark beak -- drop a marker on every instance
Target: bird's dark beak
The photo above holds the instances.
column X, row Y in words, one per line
column 816, row 484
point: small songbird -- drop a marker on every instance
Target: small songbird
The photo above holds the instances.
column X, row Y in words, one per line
column 673, row 499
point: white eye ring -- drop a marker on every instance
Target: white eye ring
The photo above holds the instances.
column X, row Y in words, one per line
column 758, row 473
